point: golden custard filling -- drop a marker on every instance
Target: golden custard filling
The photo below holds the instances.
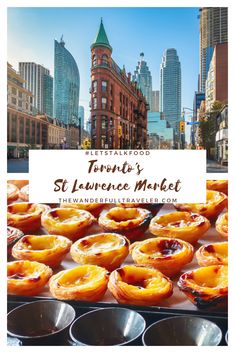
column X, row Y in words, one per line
column 177, row 220
column 217, row 250
column 38, row 243
column 20, row 270
column 145, row 278
column 25, row 209
column 124, row 217
column 210, row 277
column 100, row 243
column 68, row 215
column 82, row 276
column 160, row 249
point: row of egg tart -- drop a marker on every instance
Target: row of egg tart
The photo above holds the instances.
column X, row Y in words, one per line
column 73, row 222
column 145, row 283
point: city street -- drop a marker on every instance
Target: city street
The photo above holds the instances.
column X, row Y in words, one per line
column 17, row 165
column 214, row 167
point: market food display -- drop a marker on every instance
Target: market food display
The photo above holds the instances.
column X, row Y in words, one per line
column 166, row 255
column 183, row 225
column 172, row 244
column 152, row 207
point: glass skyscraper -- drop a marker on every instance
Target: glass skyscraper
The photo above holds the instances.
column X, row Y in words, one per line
column 143, row 77
column 67, row 84
column 39, row 82
column 170, row 89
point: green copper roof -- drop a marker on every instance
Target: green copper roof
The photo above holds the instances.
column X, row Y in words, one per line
column 101, row 38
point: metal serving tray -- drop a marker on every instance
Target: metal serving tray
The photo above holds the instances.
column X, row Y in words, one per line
column 150, row 314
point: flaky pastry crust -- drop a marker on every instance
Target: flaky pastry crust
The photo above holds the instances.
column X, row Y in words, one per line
column 165, row 254
column 216, row 202
column 27, row 277
column 139, row 285
column 47, row 249
column 108, row 250
column 206, row 286
column 213, row 254
column 25, row 216
column 69, row 222
column 182, row 225
column 131, row 222
column 86, row 282
column 221, row 225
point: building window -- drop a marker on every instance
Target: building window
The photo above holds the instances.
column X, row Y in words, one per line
column 103, row 122
column 104, row 102
column 94, row 103
column 27, row 131
column 13, row 90
column 14, row 128
column 94, row 60
column 103, row 141
column 20, row 94
column 111, row 89
column 104, row 60
column 104, row 85
column 93, row 122
column 19, row 103
column 111, row 122
column 13, row 100
column 21, row 130
column 94, row 86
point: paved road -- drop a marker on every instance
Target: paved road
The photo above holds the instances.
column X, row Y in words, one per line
column 214, row 167
column 17, row 165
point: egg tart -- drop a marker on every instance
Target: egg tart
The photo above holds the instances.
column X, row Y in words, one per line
column 12, row 193
column 25, row 216
column 206, row 286
column 165, row 254
column 86, row 282
column 24, row 193
column 218, row 185
column 70, row 222
column 216, row 202
column 183, row 225
column 27, row 277
column 221, row 225
column 47, row 249
column 139, row 285
column 213, row 254
column 13, row 235
column 108, row 250
column 131, row 222
column 18, row 183
column 93, row 208
column 152, row 207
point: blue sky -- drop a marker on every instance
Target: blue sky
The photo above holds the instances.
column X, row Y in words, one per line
column 31, row 34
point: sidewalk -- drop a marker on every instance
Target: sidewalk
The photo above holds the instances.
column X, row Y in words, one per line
column 214, row 167
column 17, row 166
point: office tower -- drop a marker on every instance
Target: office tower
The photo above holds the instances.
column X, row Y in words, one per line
column 81, row 113
column 66, row 86
column 170, row 89
column 143, row 77
column 213, row 30
column 155, row 101
column 37, row 80
column 118, row 107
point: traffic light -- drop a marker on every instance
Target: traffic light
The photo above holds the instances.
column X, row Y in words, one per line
column 182, row 127
column 119, row 131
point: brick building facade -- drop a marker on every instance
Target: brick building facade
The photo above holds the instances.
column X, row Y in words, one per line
column 118, row 107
